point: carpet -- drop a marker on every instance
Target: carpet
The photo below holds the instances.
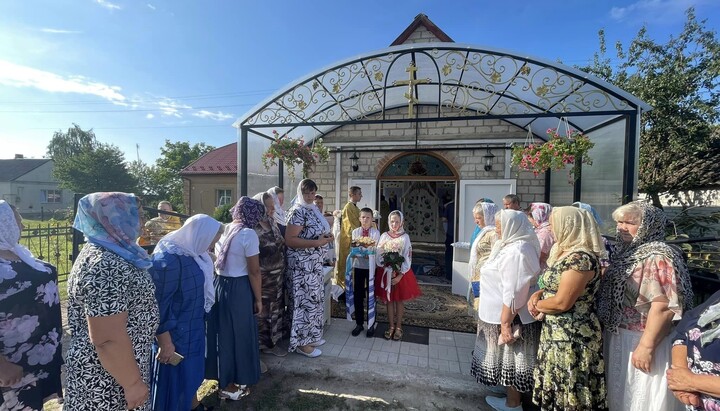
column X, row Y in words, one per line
column 436, row 308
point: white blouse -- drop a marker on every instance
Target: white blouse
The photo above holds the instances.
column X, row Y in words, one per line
column 403, row 244
column 509, row 279
column 245, row 244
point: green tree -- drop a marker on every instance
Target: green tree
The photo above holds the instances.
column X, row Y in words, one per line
column 165, row 177
column 679, row 147
column 84, row 165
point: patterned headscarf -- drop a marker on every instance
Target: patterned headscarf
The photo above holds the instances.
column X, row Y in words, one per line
column 300, row 201
column 246, row 214
column 514, row 226
column 626, row 256
column 112, row 221
column 193, row 240
column 10, row 238
column 541, row 213
column 588, row 207
column 575, row 230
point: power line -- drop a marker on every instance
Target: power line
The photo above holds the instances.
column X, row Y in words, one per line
column 151, row 101
column 162, row 109
column 126, row 128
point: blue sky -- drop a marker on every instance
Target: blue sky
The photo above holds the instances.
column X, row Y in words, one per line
column 141, row 72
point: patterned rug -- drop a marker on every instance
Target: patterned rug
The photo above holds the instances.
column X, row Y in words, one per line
column 436, row 308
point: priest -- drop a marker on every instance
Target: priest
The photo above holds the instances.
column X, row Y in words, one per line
column 350, row 221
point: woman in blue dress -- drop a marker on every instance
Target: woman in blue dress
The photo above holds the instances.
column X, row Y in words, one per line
column 183, row 275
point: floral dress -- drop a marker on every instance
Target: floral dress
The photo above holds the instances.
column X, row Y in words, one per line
column 570, row 367
column 304, row 276
column 101, row 284
column 30, row 332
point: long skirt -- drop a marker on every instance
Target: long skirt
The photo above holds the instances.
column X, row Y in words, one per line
column 509, row 365
column 271, row 319
column 233, row 351
column 308, row 295
column 630, row 389
column 173, row 387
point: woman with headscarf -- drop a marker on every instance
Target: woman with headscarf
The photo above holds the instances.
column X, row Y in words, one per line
column 272, row 272
column 477, row 229
column 279, row 215
column 540, row 213
column 183, row 275
column 507, row 336
column 307, row 237
column 694, row 378
column 112, row 311
column 233, row 351
column 30, row 323
column 570, row 372
column 484, row 214
column 646, row 287
column 605, row 261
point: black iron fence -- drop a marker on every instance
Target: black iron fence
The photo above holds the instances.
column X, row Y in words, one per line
column 51, row 242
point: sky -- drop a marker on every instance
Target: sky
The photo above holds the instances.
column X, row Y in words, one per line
column 142, row 72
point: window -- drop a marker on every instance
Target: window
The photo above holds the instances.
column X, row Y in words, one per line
column 51, row 196
column 224, row 197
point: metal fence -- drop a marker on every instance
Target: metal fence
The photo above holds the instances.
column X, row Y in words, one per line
column 51, row 242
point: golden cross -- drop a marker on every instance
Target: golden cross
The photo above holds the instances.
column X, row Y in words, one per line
column 410, row 95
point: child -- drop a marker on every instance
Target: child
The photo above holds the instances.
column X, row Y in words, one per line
column 361, row 267
column 395, row 288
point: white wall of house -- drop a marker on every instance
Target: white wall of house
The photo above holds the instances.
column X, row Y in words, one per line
column 37, row 193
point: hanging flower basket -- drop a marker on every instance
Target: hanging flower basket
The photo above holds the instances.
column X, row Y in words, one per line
column 294, row 152
column 555, row 154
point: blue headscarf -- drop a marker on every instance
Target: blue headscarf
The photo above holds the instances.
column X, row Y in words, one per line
column 588, row 207
column 112, row 221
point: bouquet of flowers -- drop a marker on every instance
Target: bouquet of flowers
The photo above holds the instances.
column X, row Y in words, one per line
column 366, row 242
column 392, row 257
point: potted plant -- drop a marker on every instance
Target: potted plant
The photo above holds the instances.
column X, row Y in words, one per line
column 293, row 152
column 555, row 154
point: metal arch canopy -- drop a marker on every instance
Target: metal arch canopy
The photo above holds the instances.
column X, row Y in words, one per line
column 456, row 80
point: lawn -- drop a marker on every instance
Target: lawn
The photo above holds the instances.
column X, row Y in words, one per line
column 51, row 241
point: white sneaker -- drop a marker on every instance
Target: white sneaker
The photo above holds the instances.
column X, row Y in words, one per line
column 315, row 352
column 499, row 404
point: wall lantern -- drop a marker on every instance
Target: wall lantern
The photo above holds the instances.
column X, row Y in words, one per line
column 354, row 160
column 488, row 160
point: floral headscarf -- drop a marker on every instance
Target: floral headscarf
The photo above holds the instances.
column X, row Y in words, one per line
column 541, row 213
column 246, row 214
column 626, row 256
column 112, row 221
column 575, row 230
column 10, row 238
column 193, row 240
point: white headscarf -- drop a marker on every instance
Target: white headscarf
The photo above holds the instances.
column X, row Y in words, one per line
column 489, row 210
column 279, row 214
column 10, row 238
column 299, row 200
column 193, row 240
column 514, row 226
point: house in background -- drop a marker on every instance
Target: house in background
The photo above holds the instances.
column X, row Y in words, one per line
column 29, row 185
column 210, row 181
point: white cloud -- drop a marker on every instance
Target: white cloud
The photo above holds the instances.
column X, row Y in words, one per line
column 150, row 6
column 150, row 116
column 15, row 75
column 59, row 31
column 654, row 10
column 172, row 108
column 108, row 5
column 219, row 116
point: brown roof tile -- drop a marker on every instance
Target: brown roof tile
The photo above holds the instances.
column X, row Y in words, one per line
column 222, row 160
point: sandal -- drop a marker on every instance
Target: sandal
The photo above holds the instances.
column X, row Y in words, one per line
column 242, row 391
column 398, row 334
column 389, row 333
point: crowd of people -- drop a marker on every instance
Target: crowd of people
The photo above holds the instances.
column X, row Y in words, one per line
column 561, row 314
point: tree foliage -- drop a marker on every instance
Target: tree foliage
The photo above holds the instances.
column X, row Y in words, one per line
column 679, row 142
column 84, row 165
column 162, row 181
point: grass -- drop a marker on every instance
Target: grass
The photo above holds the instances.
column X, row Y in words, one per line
column 51, row 241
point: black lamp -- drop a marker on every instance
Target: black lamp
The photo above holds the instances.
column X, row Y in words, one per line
column 488, row 160
column 354, row 160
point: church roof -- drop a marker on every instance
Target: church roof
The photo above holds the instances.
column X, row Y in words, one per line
column 15, row 168
column 421, row 20
column 222, row 160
